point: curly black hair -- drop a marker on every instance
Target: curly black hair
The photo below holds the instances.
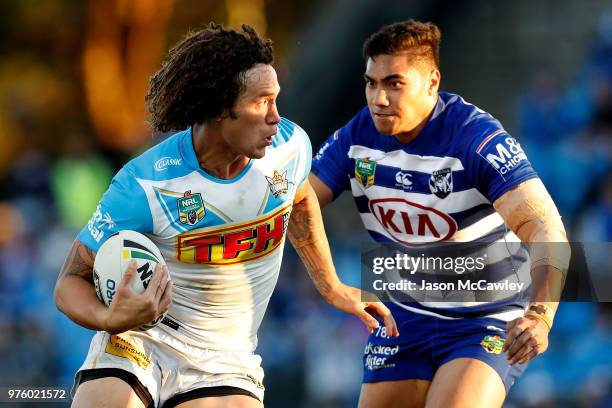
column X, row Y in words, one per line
column 423, row 39
column 203, row 76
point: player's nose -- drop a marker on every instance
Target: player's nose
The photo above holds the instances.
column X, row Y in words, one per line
column 273, row 117
column 380, row 98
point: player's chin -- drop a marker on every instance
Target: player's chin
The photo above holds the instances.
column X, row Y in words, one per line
column 386, row 129
column 258, row 153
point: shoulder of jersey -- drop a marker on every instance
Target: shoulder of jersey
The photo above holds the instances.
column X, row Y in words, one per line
column 288, row 132
column 468, row 122
column 163, row 161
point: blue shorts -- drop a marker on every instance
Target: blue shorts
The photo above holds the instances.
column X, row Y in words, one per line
column 427, row 342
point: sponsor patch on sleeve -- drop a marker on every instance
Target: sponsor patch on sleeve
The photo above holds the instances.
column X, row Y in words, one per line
column 502, row 152
column 99, row 222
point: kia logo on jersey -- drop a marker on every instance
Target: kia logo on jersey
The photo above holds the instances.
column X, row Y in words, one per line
column 411, row 223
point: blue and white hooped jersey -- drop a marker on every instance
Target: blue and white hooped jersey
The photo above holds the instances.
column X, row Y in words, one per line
column 439, row 188
column 222, row 239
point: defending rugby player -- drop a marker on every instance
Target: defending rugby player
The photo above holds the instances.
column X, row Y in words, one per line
column 244, row 170
column 414, row 154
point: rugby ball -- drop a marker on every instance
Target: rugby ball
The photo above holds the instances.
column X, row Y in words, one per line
column 113, row 259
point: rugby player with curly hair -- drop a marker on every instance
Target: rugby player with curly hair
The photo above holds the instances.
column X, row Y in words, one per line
column 217, row 198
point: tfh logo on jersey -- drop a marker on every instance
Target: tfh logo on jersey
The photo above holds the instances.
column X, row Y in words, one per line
column 441, row 182
column 234, row 244
column 191, row 208
column 364, row 171
column 411, row 223
column 505, row 155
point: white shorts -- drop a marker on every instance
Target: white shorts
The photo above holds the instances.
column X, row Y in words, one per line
column 167, row 366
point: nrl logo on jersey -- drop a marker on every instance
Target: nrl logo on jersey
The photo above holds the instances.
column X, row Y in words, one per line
column 441, row 182
column 191, row 208
column 365, row 170
column 278, row 183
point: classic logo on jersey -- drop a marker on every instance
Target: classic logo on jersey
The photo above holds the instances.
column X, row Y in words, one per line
column 403, row 179
column 505, row 155
column 411, row 223
column 165, row 162
column 493, row 344
column 278, row 183
column 364, row 171
column 234, row 244
column 441, row 182
column 191, row 208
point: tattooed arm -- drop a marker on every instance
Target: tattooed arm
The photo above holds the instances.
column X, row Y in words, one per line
column 307, row 234
column 74, row 291
column 75, row 295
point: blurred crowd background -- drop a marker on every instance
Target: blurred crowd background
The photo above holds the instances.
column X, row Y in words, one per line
column 72, row 81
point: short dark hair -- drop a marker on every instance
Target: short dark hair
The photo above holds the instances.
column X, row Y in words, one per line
column 421, row 38
column 203, row 75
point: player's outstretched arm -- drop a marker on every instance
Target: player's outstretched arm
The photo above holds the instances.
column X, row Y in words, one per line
column 307, row 234
column 531, row 214
column 75, row 295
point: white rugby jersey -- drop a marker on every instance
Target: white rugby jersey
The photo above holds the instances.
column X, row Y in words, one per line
column 222, row 239
column 437, row 189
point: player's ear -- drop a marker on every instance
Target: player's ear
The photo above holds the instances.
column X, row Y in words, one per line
column 434, row 81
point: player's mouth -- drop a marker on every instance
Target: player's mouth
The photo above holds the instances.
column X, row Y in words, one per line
column 268, row 139
column 383, row 115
